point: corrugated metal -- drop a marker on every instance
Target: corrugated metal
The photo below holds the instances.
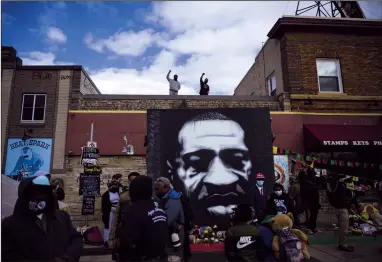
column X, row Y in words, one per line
column 109, row 130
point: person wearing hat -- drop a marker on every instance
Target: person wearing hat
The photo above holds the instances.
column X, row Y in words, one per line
column 279, row 202
column 144, row 233
column 37, row 230
column 259, row 199
column 171, row 203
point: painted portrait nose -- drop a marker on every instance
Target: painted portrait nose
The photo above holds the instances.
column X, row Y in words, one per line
column 219, row 174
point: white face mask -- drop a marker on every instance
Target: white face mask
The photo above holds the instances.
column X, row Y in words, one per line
column 278, row 193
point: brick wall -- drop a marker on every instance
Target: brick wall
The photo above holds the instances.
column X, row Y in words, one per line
column 6, row 97
column 126, row 102
column 359, row 57
column 25, row 82
column 110, row 166
column 267, row 61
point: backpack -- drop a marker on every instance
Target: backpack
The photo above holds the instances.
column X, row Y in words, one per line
column 290, row 247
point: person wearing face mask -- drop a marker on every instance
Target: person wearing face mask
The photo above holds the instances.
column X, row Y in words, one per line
column 259, row 200
column 279, row 202
column 123, row 206
column 109, row 204
column 38, row 230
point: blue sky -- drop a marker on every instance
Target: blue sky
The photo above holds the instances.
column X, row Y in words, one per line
column 128, row 47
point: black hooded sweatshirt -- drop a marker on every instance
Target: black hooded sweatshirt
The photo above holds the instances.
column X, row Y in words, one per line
column 25, row 239
column 144, row 230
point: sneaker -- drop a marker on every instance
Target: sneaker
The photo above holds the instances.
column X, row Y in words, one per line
column 316, row 230
column 309, row 232
column 346, row 248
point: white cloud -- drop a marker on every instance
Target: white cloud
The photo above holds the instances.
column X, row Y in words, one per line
column 55, row 34
column 128, row 43
column 220, row 39
column 217, row 38
column 41, row 58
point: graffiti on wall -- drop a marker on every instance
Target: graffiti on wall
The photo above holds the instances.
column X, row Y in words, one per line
column 25, row 158
column 213, row 156
column 281, row 171
column 41, row 75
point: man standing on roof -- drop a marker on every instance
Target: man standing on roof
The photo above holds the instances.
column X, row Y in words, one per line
column 174, row 84
column 204, row 87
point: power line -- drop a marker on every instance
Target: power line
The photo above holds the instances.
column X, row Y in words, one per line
column 286, row 8
column 372, row 12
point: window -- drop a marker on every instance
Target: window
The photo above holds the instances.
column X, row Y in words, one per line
column 271, row 82
column 329, row 75
column 33, row 108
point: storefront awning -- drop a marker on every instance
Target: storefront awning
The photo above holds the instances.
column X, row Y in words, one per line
column 328, row 137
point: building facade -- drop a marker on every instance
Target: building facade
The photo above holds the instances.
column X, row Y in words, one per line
column 320, row 65
column 284, row 79
column 35, row 105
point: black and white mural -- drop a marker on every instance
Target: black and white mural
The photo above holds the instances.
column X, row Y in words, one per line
column 212, row 155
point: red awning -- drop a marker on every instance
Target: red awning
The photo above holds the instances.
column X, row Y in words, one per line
column 319, row 136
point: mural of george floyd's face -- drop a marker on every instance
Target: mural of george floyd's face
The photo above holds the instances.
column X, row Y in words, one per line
column 213, row 164
column 210, row 155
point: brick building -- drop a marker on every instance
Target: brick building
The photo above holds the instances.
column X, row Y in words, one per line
column 319, row 64
column 288, row 58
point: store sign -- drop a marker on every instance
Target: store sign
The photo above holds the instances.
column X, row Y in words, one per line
column 352, row 143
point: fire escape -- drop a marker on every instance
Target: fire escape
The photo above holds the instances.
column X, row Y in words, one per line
column 344, row 9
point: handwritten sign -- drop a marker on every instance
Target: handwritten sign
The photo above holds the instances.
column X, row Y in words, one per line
column 88, row 204
column 90, row 156
column 92, row 169
column 93, row 150
column 90, row 185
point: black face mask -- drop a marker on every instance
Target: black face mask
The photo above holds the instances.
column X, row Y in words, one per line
column 113, row 189
column 38, row 205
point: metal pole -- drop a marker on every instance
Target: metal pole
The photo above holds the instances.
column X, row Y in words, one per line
column 91, row 132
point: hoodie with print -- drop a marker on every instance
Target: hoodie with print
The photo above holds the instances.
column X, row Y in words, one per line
column 29, row 238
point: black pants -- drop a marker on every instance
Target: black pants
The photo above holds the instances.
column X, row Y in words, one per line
column 312, row 221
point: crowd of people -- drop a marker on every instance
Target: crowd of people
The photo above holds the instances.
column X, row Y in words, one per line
column 150, row 221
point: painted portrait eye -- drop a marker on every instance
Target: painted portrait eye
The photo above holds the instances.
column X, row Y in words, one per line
column 234, row 158
column 199, row 160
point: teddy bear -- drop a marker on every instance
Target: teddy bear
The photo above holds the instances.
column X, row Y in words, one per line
column 293, row 239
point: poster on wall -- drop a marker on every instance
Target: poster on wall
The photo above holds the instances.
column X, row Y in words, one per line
column 281, row 171
column 211, row 155
column 25, row 158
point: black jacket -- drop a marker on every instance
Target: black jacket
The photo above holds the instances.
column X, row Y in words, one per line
column 283, row 204
column 27, row 240
column 244, row 242
column 106, row 208
column 144, row 232
column 339, row 196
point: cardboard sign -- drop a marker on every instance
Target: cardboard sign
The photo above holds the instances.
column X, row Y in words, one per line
column 88, row 204
column 91, row 144
column 90, row 185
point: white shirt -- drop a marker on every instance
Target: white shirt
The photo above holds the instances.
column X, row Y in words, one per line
column 261, row 190
column 114, row 198
column 174, row 85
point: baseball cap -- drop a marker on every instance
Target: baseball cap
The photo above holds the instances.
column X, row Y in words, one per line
column 41, row 181
column 260, row 176
column 165, row 181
